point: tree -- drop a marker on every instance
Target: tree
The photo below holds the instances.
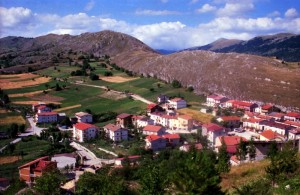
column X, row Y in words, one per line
column 251, row 150
column 49, row 182
column 241, row 152
column 94, row 77
column 176, row 84
column 196, row 174
column 57, row 87
column 108, row 73
column 21, row 128
column 13, row 130
column 223, row 165
column 151, row 89
column 283, row 164
column 272, row 150
column 190, row 89
column 66, row 122
column 152, row 182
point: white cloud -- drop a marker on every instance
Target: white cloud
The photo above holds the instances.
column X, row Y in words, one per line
column 291, row 13
column 274, row 14
column 15, row 16
column 206, row 8
column 90, row 5
column 165, row 35
column 164, row 1
column 155, row 12
column 235, row 9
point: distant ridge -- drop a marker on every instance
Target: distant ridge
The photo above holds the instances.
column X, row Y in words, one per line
column 240, row 76
column 284, row 46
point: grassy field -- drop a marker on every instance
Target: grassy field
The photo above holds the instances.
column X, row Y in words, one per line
column 243, row 174
column 202, row 117
column 32, row 149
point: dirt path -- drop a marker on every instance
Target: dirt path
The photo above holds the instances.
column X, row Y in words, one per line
column 67, row 108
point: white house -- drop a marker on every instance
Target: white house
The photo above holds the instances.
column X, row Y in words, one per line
column 215, row 100
column 84, row 117
column 84, row 131
column 177, row 103
column 43, row 108
column 115, row 132
column 46, row 117
column 212, row 131
column 294, row 134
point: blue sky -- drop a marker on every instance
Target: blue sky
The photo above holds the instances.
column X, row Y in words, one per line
column 162, row 24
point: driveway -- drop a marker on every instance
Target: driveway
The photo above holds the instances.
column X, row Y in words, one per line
column 91, row 158
column 33, row 128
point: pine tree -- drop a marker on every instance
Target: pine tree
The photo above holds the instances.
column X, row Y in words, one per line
column 223, row 165
column 252, row 150
column 241, row 152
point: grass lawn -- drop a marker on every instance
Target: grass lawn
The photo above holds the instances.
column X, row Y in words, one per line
column 32, row 149
column 61, row 71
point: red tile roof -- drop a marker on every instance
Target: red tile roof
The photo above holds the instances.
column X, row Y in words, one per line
column 153, row 128
column 150, row 106
column 176, row 99
column 267, row 106
column 293, row 114
column 270, row 134
column 123, row 115
column 137, row 117
column 169, row 116
column 254, row 120
column 213, row 127
column 293, row 123
column 153, row 137
column 47, row 113
column 41, row 107
column 231, row 140
column 42, row 164
column 171, row 136
column 112, row 127
column 83, row 126
column 230, row 118
column 34, row 161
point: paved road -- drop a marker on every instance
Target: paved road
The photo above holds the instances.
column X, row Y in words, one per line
column 12, row 142
column 91, row 158
column 33, row 128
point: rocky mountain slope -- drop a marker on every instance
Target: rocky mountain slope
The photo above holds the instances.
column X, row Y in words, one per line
column 240, row 76
column 284, row 46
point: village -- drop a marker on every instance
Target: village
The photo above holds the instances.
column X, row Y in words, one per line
column 162, row 128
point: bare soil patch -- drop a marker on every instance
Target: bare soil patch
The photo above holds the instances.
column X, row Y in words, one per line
column 33, row 102
column 67, row 108
column 5, row 84
column 16, row 77
column 112, row 95
column 47, row 97
column 29, row 94
column 9, row 159
column 12, row 119
column 117, row 79
column 197, row 115
column 3, row 111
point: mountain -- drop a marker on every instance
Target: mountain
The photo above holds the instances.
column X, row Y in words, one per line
column 165, row 52
column 284, row 46
column 240, row 76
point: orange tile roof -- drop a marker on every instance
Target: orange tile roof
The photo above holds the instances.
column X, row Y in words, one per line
column 293, row 123
column 295, row 131
column 81, row 114
column 176, row 99
column 254, row 120
column 123, row 115
column 153, row 128
column 47, row 113
column 213, row 127
column 293, row 114
column 270, row 134
column 171, row 136
column 241, row 103
column 112, row 127
column 150, row 106
column 83, row 126
column 231, row 140
column 267, row 106
column 34, row 161
column 153, row 137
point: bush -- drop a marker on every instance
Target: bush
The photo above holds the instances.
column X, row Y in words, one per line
column 94, row 77
column 176, row 84
column 108, row 73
